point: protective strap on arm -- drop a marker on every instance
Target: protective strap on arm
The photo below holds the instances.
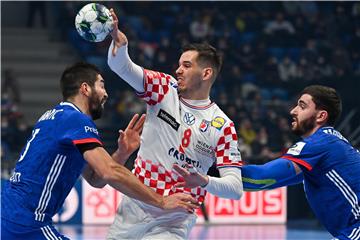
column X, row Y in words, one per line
column 276, row 173
column 124, row 67
column 229, row 184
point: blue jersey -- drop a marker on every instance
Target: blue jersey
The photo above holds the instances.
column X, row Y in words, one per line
column 48, row 167
column 331, row 168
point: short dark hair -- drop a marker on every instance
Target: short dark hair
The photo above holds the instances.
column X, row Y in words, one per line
column 325, row 98
column 75, row 75
column 207, row 55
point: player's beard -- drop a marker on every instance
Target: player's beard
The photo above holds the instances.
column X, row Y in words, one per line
column 96, row 105
column 304, row 127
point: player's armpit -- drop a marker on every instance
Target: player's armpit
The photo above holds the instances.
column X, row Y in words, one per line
column 276, row 173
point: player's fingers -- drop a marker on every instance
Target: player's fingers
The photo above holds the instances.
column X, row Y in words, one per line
column 182, row 171
column 189, row 199
column 188, row 207
column 140, row 123
column 132, row 121
column 114, row 50
column 179, row 184
column 113, row 14
column 191, row 168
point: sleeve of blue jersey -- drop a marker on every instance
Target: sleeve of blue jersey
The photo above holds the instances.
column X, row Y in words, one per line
column 79, row 128
column 276, row 173
column 306, row 154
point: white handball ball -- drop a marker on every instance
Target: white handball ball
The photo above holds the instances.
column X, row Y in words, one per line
column 94, row 22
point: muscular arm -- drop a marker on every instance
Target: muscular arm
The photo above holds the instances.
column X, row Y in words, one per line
column 274, row 174
column 119, row 177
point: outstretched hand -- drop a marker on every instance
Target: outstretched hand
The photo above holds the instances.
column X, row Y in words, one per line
column 129, row 139
column 192, row 178
column 118, row 37
column 180, row 202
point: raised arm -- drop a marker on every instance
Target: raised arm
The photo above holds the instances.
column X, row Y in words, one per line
column 119, row 60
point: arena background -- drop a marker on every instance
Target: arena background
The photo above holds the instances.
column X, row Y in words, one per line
column 271, row 51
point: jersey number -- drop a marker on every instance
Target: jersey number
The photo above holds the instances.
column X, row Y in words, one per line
column 185, row 141
column 34, row 133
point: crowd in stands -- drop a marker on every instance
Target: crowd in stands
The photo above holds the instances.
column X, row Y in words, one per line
column 14, row 129
column 271, row 51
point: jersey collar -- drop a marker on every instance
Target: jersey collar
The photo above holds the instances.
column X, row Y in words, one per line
column 71, row 105
column 197, row 104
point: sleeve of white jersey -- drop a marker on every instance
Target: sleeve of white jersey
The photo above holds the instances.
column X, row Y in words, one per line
column 229, row 185
column 125, row 68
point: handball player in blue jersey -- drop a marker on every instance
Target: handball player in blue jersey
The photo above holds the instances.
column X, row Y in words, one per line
column 323, row 160
column 64, row 144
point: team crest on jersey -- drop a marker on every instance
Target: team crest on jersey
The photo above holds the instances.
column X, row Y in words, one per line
column 218, row 122
column 204, row 125
column 189, row 118
column 296, row 148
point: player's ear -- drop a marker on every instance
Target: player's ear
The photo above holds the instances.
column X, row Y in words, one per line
column 322, row 117
column 207, row 73
column 85, row 89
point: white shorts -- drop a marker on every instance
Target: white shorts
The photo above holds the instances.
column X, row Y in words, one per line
column 137, row 220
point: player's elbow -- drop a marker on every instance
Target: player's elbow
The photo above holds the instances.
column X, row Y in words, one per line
column 237, row 193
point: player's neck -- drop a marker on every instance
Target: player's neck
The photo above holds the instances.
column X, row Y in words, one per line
column 311, row 132
column 80, row 104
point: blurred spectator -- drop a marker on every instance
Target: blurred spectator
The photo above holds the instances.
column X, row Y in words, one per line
column 34, row 8
column 287, row 70
column 10, row 86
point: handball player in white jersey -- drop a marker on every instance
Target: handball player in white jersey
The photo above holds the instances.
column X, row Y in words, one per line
column 184, row 130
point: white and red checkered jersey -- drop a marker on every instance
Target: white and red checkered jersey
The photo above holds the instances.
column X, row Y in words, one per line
column 176, row 131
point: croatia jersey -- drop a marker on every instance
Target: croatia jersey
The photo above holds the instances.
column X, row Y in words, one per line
column 181, row 131
column 331, row 168
column 48, row 167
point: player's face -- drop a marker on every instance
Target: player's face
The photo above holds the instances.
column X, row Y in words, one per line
column 189, row 74
column 98, row 98
column 304, row 116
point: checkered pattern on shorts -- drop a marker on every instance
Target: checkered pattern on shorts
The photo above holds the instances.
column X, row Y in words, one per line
column 162, row 181
column 223, row 153
column 156, row 85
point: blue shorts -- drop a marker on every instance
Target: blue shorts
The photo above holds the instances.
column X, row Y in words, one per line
column 13, row 231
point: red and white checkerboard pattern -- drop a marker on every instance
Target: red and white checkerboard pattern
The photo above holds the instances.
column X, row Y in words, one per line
column 162, row 181
column 156, row 85
column 227, row 143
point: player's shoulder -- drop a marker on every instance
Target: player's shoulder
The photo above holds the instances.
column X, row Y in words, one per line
column 219, row 119
column 73, row 115
column 315, row 143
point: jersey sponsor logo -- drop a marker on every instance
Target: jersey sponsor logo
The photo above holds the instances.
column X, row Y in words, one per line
column 204, row 125
column 182, row 158
column 91, row 129
column 218, row 122
column 296, row 148
column 204, row 149
column 189, row 118
column 166, row 117
column 49, row 115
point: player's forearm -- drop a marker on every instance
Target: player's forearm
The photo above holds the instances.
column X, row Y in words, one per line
column 125, row 181
column 124, row 67
column 276, row 173
column 229, row 185
column 92, row 178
